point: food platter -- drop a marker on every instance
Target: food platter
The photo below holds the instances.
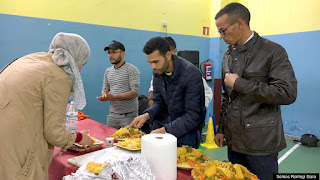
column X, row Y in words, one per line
column 221, row 170
column 78, row 147
column 185, row 167
column 127, row 132
column 188, row 157
column 126, row 148
column 130, row 144
column 120, row 139
column 98, row 142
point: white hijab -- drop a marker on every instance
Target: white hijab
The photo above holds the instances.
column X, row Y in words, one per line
column 70, row 51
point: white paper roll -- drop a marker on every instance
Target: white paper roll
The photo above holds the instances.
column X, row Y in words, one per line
column 160, row 150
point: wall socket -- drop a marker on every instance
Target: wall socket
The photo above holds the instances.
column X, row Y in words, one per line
column 164, row 24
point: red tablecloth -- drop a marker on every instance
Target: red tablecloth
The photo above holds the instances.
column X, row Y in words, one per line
column 60, row 167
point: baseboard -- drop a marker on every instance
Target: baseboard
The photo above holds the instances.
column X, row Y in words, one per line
column 292, row 137
column 287, row 137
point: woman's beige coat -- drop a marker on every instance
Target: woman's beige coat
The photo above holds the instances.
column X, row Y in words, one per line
column 33, row 95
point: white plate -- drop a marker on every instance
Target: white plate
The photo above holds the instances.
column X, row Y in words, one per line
column 123, row 147
column 99, row 142
column 79, row 147
column 184, row 167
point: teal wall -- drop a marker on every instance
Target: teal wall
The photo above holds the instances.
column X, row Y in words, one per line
column 302, row 116
column 23, row 35
column 303, row 51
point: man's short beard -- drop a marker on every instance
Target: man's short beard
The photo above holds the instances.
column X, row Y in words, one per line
column 116, row 61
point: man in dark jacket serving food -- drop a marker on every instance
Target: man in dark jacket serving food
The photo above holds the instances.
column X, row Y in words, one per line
column 178, row 94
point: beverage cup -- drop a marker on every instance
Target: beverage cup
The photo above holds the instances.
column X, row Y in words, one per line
column 109, row 141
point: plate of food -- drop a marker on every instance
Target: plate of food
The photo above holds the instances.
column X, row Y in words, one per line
column 184, row 166
column 188, row 157
column 221, row 170
column 95, row 167
column 130, row 144
column 96, row 144
column 127, row 132
column 129, row 149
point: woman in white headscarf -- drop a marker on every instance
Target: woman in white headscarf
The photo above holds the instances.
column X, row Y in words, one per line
column 34, row 91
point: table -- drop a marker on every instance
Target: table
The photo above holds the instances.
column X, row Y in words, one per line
column 59, row 166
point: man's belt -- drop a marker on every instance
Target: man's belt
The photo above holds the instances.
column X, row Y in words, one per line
column 120, row 114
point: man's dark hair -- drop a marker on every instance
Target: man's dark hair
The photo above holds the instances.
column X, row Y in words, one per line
column 171, row 42
column 234, row 12
column 157, row 43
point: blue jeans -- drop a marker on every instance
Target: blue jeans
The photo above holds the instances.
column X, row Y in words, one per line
column 192, row 138
column 262, row 166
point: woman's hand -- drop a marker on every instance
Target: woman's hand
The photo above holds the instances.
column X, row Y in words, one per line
column 86, row 140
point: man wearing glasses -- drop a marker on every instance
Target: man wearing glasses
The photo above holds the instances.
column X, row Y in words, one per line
column 258, row 78
column 121, row 86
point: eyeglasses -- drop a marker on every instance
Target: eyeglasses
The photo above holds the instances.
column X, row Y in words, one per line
column 222, row 31
column 113, row 52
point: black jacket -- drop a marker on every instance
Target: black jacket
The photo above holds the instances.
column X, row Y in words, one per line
column 181, row 101
column 250, row 116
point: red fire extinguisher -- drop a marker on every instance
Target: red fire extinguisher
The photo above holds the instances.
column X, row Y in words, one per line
column 207, row 70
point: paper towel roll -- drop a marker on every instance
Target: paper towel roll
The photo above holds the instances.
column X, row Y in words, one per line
column 160, row 150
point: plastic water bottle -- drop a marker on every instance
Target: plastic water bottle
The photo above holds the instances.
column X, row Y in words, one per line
column 71, row 117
